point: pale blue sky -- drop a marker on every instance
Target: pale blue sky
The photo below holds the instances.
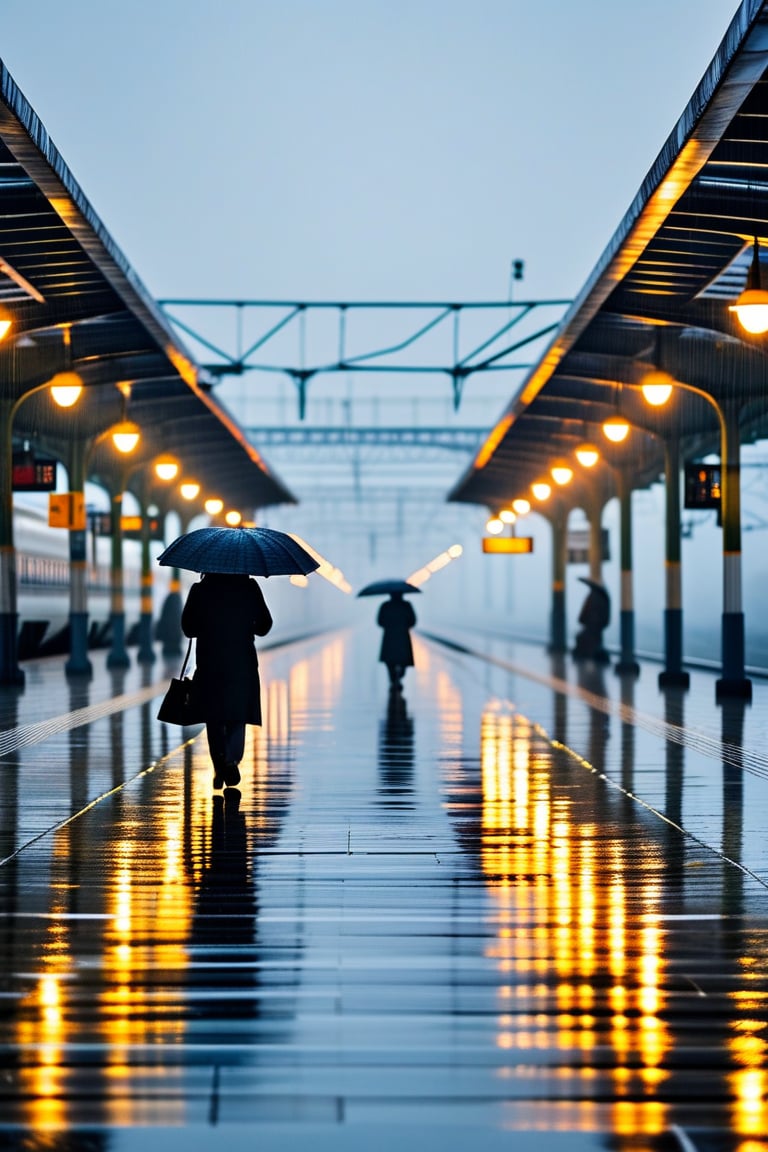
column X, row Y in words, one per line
column 368, row 149
column 360, row 148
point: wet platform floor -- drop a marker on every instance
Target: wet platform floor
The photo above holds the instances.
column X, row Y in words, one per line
column 522, row 906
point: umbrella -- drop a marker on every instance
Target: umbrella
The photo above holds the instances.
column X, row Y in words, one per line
column 388, row 588
column 239, row 552
column 595, row 585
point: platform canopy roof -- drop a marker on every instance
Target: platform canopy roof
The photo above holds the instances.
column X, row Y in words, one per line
column 59, row 270
column 658, row 298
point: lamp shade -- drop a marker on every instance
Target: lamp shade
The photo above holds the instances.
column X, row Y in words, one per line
column 166, row 468
column 189, row 489
column 66, row 388
column 125, row 436
column 751, row 309
column 657, row 387
column 615, row 429
column 561, row 473
column 587, row 455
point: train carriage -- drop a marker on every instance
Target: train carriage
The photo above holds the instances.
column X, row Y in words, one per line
column 43, row 570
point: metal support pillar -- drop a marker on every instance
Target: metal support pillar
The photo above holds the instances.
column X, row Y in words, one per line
column 146, row 653
column 169, row 620
column 595, row 518
column 78, row 663
column 10, row 672
column 627, row 664
column 733, row 681
column 558, row 634
column 118, row 655
column 673, row 675
column 594, row 512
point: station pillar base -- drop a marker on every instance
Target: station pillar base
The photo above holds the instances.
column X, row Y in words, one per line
column 671, row 679
column 733, row 689
column 627, row 668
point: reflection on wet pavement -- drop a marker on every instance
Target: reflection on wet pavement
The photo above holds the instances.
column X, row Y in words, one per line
column 396, row 752
column 479, row 909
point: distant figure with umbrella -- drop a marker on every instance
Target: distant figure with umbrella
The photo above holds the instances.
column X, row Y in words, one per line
column 224, row 611
column 396, row 617
column 594, row 616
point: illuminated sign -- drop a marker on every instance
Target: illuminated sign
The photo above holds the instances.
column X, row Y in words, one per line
column 100, row 524
column 33, row 473
column 131, row 527
column 507, row 544
column 702, row 486
column 577, row 545
column 66, row 510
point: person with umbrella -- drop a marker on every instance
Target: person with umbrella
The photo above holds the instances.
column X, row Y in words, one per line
column 225, row 610
column 396, row 617
column 594, row 617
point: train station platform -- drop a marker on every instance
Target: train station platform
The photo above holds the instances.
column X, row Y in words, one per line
column 523, row 905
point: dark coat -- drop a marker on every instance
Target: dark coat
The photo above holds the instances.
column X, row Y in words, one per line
column 225, row 613
column 396, row 617
column 596, row 610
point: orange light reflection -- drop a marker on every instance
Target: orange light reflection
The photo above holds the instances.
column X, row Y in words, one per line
column 561, row 925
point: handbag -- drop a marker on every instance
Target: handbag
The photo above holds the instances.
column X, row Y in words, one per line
column 180, row 704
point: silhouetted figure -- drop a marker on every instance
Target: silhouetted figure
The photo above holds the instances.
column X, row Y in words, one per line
column 225, row 613
column 594, row 617
column 168, row 627
column 396, row 617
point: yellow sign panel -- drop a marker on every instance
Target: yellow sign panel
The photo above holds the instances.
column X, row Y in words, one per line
column 507, row 544
column 67, row 510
